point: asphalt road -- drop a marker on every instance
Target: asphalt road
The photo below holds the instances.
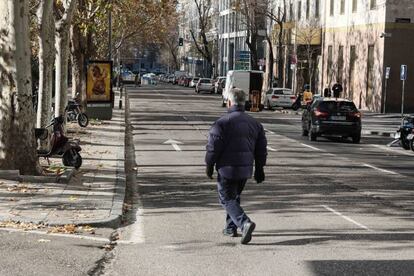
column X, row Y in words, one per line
column 326, row 207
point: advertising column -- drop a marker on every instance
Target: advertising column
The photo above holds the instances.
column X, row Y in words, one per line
column 99, row 94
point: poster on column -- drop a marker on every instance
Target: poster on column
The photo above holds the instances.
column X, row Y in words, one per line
column 98, row 81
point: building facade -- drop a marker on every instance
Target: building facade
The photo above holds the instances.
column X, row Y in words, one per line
column 362, row 45
column 361, row 39
column 234, row 53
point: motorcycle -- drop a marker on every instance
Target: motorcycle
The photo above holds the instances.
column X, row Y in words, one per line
column 405, row 134
column 60, row 144
column 74, row 114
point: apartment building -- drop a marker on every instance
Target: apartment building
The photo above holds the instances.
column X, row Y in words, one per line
column 357, row 41
column 361, row 39
column 234, row 53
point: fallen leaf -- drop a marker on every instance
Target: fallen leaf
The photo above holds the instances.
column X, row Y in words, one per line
column 73, row 198
column 43, row 240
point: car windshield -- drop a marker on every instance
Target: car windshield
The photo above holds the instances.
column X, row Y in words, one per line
column 337, row 106
column 195, row 79
column 205, row 81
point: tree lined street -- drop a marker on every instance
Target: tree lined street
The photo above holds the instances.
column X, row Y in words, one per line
column 106, row 108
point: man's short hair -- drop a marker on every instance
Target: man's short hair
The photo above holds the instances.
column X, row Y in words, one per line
column 237, row 96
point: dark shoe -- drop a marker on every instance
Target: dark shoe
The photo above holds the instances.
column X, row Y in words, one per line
column 248, row 229
column 230, row 232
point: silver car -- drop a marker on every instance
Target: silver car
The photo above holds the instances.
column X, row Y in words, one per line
column 193, row 82
column 279, row 97
column 205, row 84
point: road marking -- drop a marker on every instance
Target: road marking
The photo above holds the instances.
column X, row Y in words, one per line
column 379, row 169
column 308, row 146
column 345, row 217
column 394, row 150
column 174, row 144
column 271, row 149
column 269, row 131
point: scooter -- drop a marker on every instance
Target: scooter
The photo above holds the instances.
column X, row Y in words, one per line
column 405, row 133
column 59, row 144
column 74, row 113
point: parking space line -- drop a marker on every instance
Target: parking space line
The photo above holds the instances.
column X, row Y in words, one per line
column 345, row 217
column 308, row 146
column 379, row 169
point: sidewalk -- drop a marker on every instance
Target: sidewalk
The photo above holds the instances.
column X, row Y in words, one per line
column 95, row 194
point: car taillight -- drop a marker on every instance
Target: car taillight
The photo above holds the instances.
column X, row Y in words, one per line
column 293, row 98
column 275, row 97
column 355, row 114
column 319, row 113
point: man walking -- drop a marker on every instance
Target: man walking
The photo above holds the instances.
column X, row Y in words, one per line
column 235, row 142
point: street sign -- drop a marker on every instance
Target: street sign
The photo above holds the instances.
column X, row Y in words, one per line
column 403, row 73
column 387, row 73
column 243, row 55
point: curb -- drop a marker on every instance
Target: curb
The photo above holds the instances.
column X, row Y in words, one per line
column 15, row 175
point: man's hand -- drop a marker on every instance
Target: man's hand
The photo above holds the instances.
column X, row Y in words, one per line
column 259, row 175
column 209, row 171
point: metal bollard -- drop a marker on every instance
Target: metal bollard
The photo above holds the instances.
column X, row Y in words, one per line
column 120, row 97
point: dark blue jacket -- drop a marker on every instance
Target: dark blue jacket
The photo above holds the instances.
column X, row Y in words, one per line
column 235, row 141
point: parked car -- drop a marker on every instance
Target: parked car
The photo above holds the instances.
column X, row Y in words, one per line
column 193, row 82
column 127, row 76
column 187, row 81
column 279, row 97
column 204, row 84
column 332, row 117
column 219, row 85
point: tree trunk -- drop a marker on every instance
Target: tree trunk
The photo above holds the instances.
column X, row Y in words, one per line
column 78, row 64
column 62, row 55
column 46, row 61
column 17, row 141
column 280, row 58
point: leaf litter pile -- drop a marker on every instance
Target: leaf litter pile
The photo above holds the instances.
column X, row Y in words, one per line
column 64, row 229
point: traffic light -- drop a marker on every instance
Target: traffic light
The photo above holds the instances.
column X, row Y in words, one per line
column 180, row 41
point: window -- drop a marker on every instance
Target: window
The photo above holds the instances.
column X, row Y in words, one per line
column 372, row 4
column 317, row 8
column 332, row 7
column 291, row 12
column 352, row 62
column 330, row 58
column 354, row 5
column 307, row 9
column 299, row 10
column 342, row 6
column 370, row 76
column 340, row 64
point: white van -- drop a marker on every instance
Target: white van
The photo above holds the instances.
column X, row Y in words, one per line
column 248, row 81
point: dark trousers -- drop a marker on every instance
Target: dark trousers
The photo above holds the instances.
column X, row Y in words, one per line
column 229, row 191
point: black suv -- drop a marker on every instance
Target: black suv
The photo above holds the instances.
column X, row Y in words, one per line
column 332, row 117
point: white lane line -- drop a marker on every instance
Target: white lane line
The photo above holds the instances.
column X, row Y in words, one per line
column 345, row 217
column 379, row 169
column 271, row 149
column 176, row 147
column 394, row 150
column 308, row 146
